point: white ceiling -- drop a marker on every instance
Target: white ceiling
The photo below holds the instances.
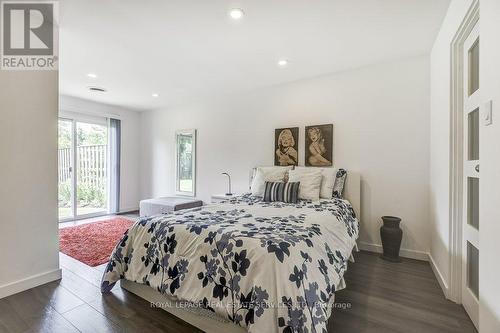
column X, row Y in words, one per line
column 191, row 49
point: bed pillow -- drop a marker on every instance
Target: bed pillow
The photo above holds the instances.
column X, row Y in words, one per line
column 338, row 187
column 327, row 182
column 270, row 174
column 282, row 192
column 310, row 182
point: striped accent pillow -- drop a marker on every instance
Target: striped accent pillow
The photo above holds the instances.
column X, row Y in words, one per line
column 283, row 192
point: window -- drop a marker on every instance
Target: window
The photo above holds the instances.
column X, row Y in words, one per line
column 185, row 182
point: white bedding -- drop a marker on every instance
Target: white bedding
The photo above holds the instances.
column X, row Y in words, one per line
column 268, row 267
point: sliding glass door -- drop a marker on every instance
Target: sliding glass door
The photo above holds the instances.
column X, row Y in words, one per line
column 83, row 169
column 65, row 169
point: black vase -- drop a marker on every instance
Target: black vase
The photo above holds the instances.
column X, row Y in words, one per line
column 391, row 235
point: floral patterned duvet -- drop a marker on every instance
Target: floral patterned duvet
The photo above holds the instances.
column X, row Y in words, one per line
column 268, row 267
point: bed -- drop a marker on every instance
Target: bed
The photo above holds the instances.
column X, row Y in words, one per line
column 242, row 264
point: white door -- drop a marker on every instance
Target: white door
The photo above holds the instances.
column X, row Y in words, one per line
column 470, row 232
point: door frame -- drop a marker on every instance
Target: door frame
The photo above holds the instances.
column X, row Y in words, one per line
column 73, row 163
column 457, row 151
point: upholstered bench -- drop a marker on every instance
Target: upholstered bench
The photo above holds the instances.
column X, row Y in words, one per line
column 150, row 207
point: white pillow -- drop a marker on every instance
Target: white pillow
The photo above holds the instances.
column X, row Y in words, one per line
column 310, row 182
column 267, row 174
column 327, row 181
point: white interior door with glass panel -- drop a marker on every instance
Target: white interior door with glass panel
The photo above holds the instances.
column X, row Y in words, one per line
column 470, row 231
column 83, row 169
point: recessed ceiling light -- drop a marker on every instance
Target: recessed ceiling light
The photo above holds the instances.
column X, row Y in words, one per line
column 155, row 95
column 236, row 13
column 92, row 75
column 282, row 62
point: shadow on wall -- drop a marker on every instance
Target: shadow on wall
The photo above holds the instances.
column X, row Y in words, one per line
column 366, row 212
column 487, row 312
column 439, row 245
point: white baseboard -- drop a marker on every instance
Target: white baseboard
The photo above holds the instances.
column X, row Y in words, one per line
column 439, row 277
column 30, row 282
column 128, row 210
column 405, row 253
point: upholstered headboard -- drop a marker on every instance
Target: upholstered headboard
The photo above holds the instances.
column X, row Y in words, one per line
column 352, row 189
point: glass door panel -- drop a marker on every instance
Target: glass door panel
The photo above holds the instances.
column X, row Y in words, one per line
column 65, row 169
column 473, row 269
column 92, row 171
column 473, row 135
column 473, row 56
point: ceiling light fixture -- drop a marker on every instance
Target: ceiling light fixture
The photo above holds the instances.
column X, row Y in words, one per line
column 236, row 13
column 282, row 63
column 92, row 75
column 155, row 95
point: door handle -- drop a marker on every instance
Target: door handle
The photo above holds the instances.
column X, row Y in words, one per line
column 477, row 168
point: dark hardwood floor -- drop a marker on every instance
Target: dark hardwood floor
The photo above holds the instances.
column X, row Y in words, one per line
column 395, row 297
column 380, row 297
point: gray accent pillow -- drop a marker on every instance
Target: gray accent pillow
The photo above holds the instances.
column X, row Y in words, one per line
column 338, row 187
column 282, row 192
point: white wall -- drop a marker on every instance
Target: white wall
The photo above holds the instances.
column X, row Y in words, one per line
column 489, row 230
column 130, row 131
column 381, row 127
column 439, row 207
column 28, row 176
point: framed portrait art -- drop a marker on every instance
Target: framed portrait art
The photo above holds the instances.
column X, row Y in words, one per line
column 286, row 146
column 319, row 145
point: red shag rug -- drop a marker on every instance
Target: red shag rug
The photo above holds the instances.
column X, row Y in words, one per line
column 92, row 243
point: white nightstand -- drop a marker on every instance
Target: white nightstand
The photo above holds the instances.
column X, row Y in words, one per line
column 216, row 198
